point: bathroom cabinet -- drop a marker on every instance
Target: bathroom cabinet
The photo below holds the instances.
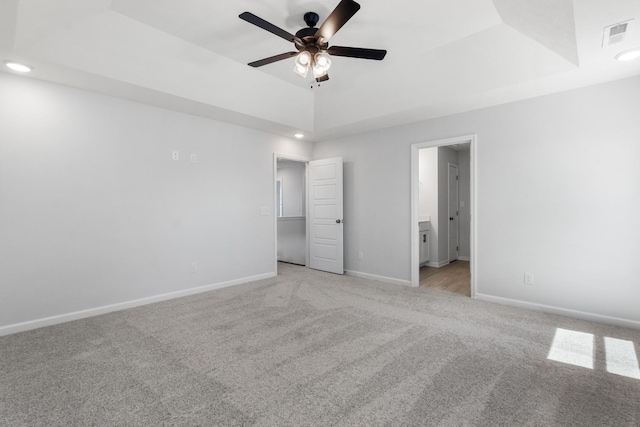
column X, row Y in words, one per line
column 424, row 246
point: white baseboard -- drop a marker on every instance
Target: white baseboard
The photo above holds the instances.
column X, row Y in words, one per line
column 82, row 314
column 437, row 264
column 378, row 278
column 617, row 321
column 464, row 258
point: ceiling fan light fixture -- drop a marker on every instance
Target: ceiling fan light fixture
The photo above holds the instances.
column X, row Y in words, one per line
column 322, row 60
column 321, row 64
column 318, row 72
column 301, row 70
column 303, row 61
column 303, row 58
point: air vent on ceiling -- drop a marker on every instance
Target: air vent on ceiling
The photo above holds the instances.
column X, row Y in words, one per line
column 616, row 33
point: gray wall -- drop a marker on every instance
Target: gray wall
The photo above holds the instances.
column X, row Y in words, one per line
column 291, row 175
column 558, row 191
column 428, row 197
column 428, row 184
column 94, row 212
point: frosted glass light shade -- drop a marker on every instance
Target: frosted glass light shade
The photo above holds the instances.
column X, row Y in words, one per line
column 321, row 64
column 628, row 55
column 303, row 61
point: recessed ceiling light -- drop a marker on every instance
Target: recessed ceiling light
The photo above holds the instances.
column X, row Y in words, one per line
column 299, row 135
column 21, row 68
column 628, row 55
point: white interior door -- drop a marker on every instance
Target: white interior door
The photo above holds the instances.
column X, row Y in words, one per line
column 325, row 215
column 453, row 212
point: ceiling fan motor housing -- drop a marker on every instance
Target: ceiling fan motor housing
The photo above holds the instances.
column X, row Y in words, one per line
column 308, row 35
column 311, row 19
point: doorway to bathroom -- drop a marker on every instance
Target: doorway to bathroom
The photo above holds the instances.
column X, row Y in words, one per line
column 442, row 215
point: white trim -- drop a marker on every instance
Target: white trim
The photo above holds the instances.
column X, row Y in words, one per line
column 304, row 160
column 279, row 205
column 83, row 314
column 464, row 258
column 457, row 185
column 414, row 227
column 473, row 215
column 437, row 264
column 617, row 321
column 391, row 280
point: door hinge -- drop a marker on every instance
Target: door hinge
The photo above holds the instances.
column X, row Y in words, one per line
column 457, row 249
column 456, row 177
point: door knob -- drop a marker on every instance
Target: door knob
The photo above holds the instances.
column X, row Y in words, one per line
column 450, row 218
column 338, row 221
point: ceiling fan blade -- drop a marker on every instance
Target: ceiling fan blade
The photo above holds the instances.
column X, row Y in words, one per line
column 322, row 78
column 272, row 59
column 259, row 22
column 340, row 15
column 357, row 52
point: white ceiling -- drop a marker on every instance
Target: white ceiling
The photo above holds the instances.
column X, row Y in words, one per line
column 444, row 56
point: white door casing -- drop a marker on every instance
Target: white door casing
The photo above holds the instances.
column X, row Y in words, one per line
column 453, row 212
column 326, row 215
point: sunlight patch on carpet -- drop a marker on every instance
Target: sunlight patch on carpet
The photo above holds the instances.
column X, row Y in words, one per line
column 621, row 358
column 572, row 347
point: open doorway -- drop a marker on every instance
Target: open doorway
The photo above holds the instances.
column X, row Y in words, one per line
column 308, row 202
column 291, row 210
column 442, row 220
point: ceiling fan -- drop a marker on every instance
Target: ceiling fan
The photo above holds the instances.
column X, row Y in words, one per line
column 313, row 43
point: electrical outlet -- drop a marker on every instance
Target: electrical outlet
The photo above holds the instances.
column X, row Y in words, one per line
column 194, row 267
column 175, row 155
column 264, row 211
column 528, row 278
column 360, row 255
column 193, row 157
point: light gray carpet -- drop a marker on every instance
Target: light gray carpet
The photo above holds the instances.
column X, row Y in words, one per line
column 312, row 349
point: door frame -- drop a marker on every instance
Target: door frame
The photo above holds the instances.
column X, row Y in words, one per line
column 457, row 219
column 306, row 161
column 415, row 214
